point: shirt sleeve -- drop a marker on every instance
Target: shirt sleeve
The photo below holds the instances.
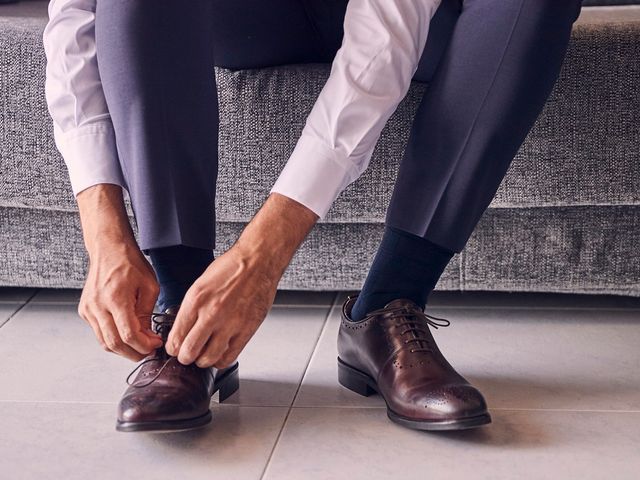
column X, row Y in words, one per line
column 82, row 126
column 371, row 73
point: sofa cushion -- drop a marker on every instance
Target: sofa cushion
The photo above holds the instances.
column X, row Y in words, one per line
column 568, row 249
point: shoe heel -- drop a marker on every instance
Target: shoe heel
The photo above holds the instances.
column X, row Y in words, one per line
column 354, row 381
column 229, row 385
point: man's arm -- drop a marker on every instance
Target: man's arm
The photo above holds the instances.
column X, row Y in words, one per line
column 121, row 283
column 371, row 73
column 121, row 288
column 82, row 125
column 226, row 305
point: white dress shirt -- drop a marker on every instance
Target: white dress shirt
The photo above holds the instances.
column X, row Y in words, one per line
column 371, row 73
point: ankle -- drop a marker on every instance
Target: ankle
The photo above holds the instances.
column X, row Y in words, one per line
column 365, row 305
column 177, row 267
column 405, row 267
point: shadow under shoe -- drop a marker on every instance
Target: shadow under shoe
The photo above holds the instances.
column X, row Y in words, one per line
column 169, row 396
column 392, row 352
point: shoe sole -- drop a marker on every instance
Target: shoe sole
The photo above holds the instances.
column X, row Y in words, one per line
column 226, row 385
column 362, row 384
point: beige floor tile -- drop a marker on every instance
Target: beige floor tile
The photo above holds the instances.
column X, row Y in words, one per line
column 78, row 441
column 354, row 443
column 274, row 362
column 6, row 311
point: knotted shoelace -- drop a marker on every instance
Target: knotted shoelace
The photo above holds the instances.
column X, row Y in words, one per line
column 162, row 323
column 414, row 323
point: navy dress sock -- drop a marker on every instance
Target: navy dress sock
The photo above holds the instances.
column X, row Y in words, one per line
column 177, row 267
column 405, row 266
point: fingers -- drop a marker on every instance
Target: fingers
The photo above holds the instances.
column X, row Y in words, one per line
column 121, row 333
column 145, row 303
column 213, row 351
column 184, row 322
column 112, row 344
column 92, row 320
column 147, row 296
column 112, row 340
column 229, row 357
column 195, row 342
column 93, row 323
column 131, row 333
column 118, row 299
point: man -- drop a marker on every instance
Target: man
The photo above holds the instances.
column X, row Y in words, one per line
column 131, row 90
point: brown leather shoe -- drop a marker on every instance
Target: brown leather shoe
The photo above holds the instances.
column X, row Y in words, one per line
column 169, row 396
column 392, row 352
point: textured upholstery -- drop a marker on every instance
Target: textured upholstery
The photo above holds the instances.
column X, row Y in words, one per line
column 582, row 151
column 562, row 249
column 566, row 218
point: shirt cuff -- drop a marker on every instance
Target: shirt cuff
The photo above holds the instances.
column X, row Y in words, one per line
column 314, row 176
column 91, row 156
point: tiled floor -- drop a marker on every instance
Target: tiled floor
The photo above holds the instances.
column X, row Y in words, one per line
column 561, row 375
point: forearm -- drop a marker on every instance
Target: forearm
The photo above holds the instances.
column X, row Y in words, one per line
column 230, row 300
column 371, row 73
column 274, row 235
column 83, row 130
column 104, row 218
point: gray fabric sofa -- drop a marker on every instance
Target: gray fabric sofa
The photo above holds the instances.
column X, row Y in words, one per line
column 566, row 217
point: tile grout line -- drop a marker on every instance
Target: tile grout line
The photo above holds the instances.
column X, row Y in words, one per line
column 329, row 407
column 295, row 395
column 315, row 347
column 26, row 302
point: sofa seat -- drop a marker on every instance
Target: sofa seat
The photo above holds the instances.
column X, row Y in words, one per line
column 566, row 217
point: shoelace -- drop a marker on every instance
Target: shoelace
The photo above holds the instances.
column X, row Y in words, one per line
column 161, row 327
column 415, row 326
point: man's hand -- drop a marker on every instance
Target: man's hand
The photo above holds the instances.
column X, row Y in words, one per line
column 121, row 288
column 222, row 310
column 226, row 305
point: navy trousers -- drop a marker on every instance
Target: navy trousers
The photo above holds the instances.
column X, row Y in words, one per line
column 490, row 66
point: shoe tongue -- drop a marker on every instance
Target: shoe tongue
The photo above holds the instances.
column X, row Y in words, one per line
column 173, row 310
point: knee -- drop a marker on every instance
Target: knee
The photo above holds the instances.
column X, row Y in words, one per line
column 564, row 10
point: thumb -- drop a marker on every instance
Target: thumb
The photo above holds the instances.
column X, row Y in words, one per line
column 145, row 303
column 183, row 324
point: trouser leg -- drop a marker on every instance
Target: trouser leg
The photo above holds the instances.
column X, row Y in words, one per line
column 484, row 95
column 156, row 65
column 156, row 61
column 496, row 74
